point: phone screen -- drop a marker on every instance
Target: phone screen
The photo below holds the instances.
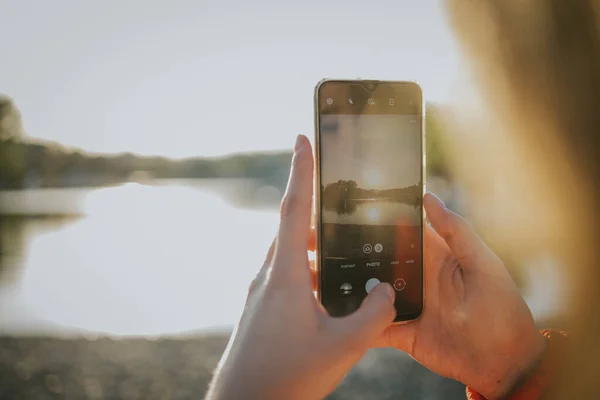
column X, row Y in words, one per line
column 370, row 188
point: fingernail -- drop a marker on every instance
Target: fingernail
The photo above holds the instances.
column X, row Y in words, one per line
column 300, row 143
column 437, row 200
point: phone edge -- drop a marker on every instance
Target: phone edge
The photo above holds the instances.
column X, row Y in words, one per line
column 317, row 186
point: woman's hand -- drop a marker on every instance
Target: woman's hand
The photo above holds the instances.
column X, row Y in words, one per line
column 285, row 345
column 476, row 327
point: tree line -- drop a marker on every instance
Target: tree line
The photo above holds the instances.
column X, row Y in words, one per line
column 25, row 162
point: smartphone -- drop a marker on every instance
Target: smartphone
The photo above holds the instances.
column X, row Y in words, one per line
column 369, row 188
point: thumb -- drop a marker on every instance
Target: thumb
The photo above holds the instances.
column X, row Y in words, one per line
column 375, row 314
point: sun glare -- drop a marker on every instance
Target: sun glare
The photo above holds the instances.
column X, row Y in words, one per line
column 373, row 214
column 372, row 178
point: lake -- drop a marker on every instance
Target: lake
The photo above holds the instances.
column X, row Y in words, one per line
column 152, row 259
column 375, row 212
column 144, row 260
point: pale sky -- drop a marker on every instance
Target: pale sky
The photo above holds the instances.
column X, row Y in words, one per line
column 375, row 151
column 184, row 78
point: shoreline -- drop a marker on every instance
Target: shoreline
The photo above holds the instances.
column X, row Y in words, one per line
column 45, row 368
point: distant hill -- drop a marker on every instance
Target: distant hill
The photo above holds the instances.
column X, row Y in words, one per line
column 29, row 163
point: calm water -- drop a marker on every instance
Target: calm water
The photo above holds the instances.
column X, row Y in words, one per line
column 376, row 213
column 145, row 260
column 149, row 260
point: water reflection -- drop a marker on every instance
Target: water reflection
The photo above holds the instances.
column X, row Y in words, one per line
column 375, row 213
column 154, row 259
column 145, row 260
column 15, row 232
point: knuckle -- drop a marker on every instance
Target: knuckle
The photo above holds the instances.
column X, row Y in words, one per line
column 270, row 252
column 450, row 262
column 257, row 282
column 448, row 267
column 252, row 286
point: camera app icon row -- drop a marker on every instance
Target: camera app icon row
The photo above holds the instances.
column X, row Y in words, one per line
column 368, row 248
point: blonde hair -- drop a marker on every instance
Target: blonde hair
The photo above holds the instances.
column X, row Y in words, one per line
column 537, row 158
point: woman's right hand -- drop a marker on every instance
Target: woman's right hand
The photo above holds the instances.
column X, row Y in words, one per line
column 476, row 327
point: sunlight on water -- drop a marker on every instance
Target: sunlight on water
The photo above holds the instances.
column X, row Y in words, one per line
column 150, row 260
column 147, row 260
column 373, row 214
column 376, row 213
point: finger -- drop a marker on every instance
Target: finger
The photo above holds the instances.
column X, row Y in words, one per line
column 435, row 251
column 462, row 240
column 374, row 315
column 294, row 227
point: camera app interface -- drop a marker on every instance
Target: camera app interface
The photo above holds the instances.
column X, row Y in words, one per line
column 371, row 214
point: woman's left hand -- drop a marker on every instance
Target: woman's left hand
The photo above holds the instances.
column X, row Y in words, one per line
column 285, row 345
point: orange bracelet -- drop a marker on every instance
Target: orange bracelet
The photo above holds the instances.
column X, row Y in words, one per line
column 534, row 387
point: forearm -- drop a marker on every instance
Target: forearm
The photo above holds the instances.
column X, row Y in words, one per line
column 225, row 385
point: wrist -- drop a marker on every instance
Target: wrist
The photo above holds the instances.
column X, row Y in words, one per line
column 519, row 370
column 533, row 384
